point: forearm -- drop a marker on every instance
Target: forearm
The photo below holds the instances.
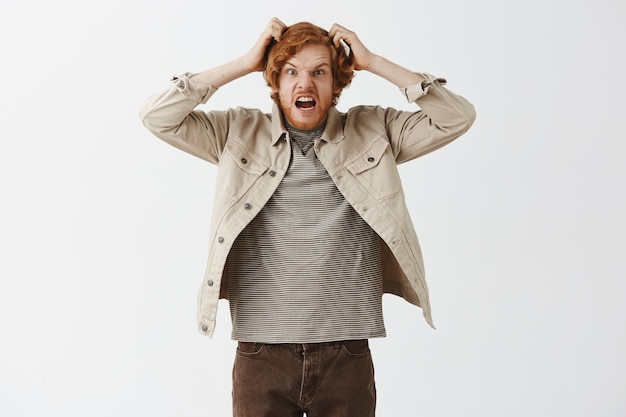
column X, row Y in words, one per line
column 393, row 73
column 448, row 115
column 223, row 74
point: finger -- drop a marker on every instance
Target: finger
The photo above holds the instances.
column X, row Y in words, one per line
column 276, row 28
column 334, row 29
column 337, row 29
column 279, row 22
column 342, row 37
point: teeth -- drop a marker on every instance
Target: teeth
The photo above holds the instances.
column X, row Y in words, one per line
column 305, row 99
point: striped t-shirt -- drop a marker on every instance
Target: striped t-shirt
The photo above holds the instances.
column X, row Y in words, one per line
column 307, row 269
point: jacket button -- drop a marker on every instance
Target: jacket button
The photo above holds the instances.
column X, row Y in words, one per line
column 220, row 239
column 205, row 328
column 209, row 283
column 244, row 161
column 247, row 206
column 370, row 159
column 272, row 173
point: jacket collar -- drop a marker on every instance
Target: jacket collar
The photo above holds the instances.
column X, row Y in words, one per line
column 278, row 128
column 333, row 132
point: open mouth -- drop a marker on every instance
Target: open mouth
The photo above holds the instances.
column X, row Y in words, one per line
column 305, row 103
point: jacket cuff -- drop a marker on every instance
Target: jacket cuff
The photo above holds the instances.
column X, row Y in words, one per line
column 200, row 93
column 414, row 92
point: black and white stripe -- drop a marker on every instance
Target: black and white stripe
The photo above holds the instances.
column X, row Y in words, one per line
column 307, row 269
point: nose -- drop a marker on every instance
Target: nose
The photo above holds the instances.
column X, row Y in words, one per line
column 305, row 81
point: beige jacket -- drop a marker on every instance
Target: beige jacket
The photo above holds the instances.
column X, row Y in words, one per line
column 360, row 150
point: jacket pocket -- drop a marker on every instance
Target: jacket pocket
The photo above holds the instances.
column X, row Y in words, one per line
column 376, row 169
column 238, row 169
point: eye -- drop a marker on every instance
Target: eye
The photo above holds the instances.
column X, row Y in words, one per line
column 319, row 73
column 291, row 72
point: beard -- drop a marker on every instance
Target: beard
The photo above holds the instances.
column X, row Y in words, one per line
column 305, row 118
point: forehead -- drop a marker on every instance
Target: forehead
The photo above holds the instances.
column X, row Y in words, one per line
column 311, row 55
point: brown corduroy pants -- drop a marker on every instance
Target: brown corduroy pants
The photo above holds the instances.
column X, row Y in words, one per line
column 333, row 379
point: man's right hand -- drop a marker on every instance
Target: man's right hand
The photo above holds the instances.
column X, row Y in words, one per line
column 255, row 58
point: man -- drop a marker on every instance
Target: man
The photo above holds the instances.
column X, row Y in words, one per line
column 310, row 225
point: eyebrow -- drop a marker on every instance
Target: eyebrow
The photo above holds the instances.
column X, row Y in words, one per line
column 323, row 64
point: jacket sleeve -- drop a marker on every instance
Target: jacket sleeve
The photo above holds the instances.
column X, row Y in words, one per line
column 170, row 116
column 444, row 116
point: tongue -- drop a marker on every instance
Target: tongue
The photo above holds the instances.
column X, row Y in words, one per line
column 305, row 104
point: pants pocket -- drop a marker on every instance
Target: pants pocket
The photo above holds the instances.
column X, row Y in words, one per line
column 356, row 348
column 250, row 349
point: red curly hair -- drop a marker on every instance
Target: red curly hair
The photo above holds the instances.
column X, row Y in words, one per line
column 296, row 37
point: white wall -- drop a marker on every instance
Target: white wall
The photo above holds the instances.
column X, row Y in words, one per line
column 104, row 229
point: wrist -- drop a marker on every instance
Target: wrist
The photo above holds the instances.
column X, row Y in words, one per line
column 372, row 63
